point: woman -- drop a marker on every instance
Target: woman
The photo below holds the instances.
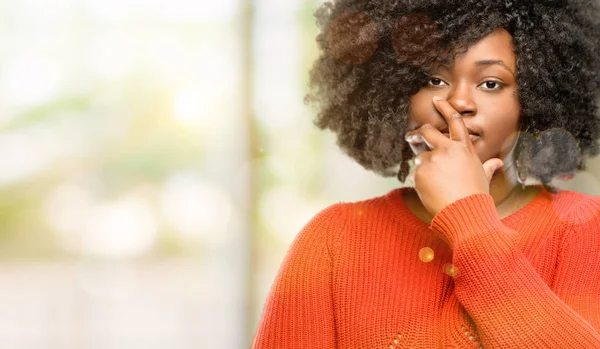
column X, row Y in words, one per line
column 479, row 94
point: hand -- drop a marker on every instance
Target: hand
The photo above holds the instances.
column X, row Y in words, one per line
column 452, row 169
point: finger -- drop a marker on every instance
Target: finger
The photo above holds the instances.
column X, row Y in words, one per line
column 419, row 160
column 491, row 166
column 456, row 124
column 417, row 143
column 432, row 136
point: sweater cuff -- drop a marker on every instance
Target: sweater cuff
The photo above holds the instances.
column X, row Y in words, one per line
column 470, row 215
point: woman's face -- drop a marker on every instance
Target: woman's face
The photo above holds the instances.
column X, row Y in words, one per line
column 481, row 86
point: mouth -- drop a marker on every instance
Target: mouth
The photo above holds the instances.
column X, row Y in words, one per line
column 473, row 137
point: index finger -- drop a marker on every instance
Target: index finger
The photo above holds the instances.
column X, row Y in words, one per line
column 456, row 125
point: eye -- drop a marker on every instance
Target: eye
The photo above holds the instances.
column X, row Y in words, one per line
column 436, row 81
column 492, row 82
column 489, row 84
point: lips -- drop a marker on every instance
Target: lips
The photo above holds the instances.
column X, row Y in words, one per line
column 469, row 129
column 473, row 136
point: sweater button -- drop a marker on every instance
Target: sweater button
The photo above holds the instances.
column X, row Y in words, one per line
column 450, row 270
column 426, row 254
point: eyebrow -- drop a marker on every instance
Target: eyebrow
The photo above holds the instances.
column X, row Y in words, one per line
column 486, row 62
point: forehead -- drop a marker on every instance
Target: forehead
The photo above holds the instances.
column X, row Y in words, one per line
column 498, row 45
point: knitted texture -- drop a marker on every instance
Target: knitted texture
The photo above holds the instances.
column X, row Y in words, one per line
column 370, row 274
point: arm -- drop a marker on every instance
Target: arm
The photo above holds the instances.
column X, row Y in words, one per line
column 510, row 303
column 299, row 309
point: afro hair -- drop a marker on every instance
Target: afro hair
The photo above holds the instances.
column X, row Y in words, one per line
column 375, row 54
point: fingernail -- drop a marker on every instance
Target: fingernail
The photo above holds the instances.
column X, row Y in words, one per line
column 415, row 139
column 437, row 98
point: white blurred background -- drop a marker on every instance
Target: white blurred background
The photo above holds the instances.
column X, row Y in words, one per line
column 156, row 161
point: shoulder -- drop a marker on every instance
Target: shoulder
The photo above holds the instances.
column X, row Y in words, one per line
column 320, row 232
column 339, row 218
column 580, row 241
column 580, row 217
column 375, row 205
column 343, row 212
column 575, row 208
column 329, row 216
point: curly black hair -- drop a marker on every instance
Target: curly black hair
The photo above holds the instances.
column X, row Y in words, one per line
column 375, row 54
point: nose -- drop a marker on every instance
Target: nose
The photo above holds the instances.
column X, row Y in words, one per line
column 461, row 99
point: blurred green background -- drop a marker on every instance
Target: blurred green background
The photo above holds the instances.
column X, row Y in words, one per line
column 156, row 161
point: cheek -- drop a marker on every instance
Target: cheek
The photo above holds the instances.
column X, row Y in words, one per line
column 501, row 117
column 421, row 108
column 501, row 130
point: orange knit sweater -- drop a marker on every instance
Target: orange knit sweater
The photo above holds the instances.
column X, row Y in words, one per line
column 370, row 274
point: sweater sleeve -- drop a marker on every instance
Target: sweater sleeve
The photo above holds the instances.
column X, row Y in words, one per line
column 298, row 312
column 512, row 306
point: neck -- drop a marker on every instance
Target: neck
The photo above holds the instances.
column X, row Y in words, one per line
column 504, row 184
